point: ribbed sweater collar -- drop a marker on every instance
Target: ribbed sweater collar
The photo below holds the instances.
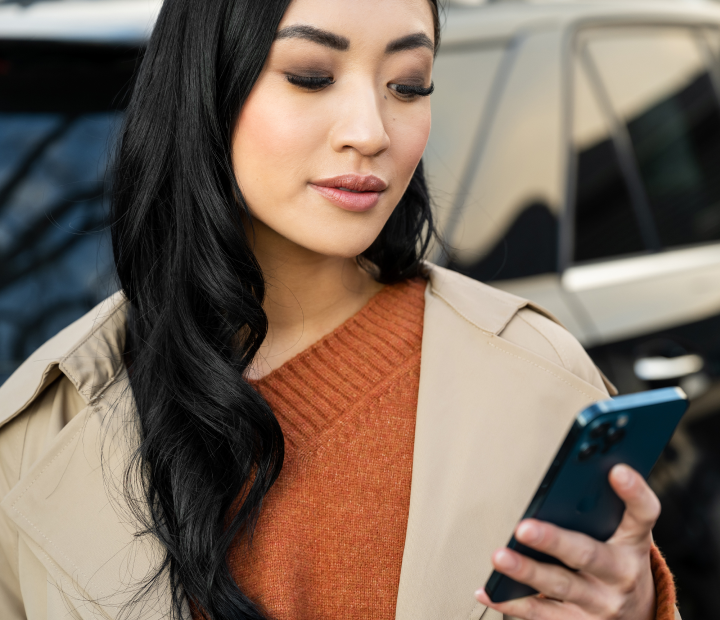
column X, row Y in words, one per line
column 310, row 390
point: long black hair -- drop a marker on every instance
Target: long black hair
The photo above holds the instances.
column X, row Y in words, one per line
column 195, row 291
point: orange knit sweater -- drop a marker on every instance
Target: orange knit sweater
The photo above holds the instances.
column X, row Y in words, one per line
column 331, row 532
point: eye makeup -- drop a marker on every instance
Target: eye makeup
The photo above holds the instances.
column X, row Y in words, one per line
column 407, row 90
column 315, row 82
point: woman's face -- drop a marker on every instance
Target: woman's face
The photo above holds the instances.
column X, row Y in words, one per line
column 332, row 131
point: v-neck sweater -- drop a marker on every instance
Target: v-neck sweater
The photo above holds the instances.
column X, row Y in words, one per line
column 329, row 540
column 331, row 532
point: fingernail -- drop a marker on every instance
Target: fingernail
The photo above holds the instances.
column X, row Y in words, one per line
column 622, row 475
column 479, row 592
column 528, row 532
column 506, row 560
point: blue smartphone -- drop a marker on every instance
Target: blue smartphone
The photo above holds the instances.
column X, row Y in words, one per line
column 575, row 493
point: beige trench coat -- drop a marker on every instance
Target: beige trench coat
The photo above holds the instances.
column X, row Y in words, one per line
column 500, row 385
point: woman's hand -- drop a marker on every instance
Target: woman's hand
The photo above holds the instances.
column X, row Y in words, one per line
column 614, row 579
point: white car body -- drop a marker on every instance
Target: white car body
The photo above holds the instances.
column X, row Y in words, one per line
column 505, row 139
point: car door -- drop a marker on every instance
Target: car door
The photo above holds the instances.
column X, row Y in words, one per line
column 642, row 255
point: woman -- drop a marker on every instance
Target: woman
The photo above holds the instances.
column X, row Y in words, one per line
column 286, row 413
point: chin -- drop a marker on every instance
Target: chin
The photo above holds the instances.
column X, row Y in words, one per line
column 346, row 244
column 339, row 250
column 329, row 232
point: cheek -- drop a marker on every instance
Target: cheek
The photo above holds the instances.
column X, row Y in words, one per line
column 270, row 144
column 409, row 137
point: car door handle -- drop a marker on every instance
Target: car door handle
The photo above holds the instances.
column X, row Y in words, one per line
column 664, row 368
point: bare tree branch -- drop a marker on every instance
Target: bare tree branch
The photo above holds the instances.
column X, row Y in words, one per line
column 31, row 236
column 89, row 223
column 31, row 158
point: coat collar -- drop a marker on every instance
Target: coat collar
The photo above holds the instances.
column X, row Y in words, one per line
column 468, row 486
column 98, row 336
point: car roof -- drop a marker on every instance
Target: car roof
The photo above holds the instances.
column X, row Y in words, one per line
column 131, row 21
column 117, row 21
column 477, row 20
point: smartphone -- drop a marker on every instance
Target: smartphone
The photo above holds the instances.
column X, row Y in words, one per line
column 575, row 493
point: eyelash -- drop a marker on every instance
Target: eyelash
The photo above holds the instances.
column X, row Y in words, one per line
column 315, row 83
column 309, row 82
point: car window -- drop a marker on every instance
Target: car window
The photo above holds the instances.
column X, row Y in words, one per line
column 663, row 96
column 463, row 80
column 605, row 222
column 506, row 224
column 55, row 145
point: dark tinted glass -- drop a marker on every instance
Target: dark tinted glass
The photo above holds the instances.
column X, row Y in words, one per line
column 660, row 88
column 38, row 76
column 605, row 223
column 677, row 144
column 528, row 248
column 59, row 112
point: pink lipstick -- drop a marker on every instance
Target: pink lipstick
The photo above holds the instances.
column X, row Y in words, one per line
column 352, row 192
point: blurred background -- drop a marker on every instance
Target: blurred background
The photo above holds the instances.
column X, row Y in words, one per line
column 574, row 160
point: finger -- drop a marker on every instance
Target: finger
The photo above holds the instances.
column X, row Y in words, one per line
column 642, row 507
column 553, row 581
column 528, row 608
column 573, row 549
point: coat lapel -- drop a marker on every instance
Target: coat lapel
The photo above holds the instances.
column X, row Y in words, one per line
column 490, row 418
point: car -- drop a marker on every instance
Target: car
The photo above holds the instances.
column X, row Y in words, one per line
column 574, row 160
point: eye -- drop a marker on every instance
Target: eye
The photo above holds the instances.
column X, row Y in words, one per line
column 409, row 92
column 309, row 82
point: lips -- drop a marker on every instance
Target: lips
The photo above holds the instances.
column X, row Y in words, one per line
column 352, row 192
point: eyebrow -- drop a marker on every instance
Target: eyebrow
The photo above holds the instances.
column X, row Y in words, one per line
column 316, row 35
column 340, row 43
column 410, row 42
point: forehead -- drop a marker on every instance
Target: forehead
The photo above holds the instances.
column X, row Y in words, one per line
column 363, row 22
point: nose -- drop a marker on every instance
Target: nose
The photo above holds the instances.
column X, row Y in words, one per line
column 360, row 126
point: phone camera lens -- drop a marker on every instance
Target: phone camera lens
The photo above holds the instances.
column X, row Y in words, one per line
column 587, row 450
column 599, row 430
column 614, row 435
